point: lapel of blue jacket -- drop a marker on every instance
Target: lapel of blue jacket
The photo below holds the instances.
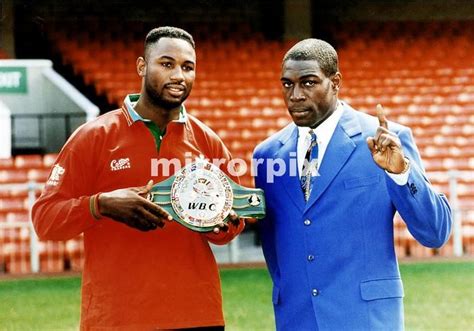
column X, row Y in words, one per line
column 291, row 183
column 337, row 153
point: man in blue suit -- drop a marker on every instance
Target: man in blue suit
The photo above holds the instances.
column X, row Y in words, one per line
column 328, row 234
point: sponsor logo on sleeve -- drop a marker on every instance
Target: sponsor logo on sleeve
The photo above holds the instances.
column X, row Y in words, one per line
column 56, row 175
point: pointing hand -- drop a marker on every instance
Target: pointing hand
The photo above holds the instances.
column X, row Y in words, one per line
column 386, row 147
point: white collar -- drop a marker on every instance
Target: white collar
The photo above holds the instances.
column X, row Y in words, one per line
column 324, row 133
column 325, row 130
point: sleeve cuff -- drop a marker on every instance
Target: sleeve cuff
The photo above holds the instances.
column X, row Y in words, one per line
column 400, row 179
column 94, row 206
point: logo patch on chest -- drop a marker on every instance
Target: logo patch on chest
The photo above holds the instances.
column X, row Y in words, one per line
column 120, row 164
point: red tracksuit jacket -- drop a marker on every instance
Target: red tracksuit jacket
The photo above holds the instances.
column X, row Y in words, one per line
column 133, row 280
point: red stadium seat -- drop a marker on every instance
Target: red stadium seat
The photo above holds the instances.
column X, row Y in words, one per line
column 52, row 256
column 38, row 175
column 15, row 249
column 6, row 163
column 18, row 216
column 13, row 204
column 13, row 176
column 49, row 159
column 75, row 253
column 28, row 161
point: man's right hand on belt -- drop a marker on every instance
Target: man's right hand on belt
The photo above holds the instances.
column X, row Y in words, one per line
column 131, row 207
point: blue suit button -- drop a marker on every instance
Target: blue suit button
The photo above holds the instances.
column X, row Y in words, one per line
column 307, row 222
column 413, row 188
column 310, row 257
column 314, row 292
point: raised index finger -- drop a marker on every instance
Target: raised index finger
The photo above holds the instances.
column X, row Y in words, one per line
column 381, row 117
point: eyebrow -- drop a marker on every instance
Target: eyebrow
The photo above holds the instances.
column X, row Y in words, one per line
column 302, row 77
column 309, row 75
column 166, row 57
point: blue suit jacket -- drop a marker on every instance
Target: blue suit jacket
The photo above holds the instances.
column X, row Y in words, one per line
column 332, row 260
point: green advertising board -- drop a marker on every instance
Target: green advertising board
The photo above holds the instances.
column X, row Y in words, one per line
column 13, row 80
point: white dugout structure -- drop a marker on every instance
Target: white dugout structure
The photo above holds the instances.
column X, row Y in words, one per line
column 36, row 105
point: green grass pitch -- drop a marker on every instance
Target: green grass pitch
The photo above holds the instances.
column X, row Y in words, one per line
column 438, row 296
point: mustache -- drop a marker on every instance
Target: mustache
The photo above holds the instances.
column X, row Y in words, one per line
column 176, row 85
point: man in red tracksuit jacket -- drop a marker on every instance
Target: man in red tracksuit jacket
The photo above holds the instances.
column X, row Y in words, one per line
column 141, row 272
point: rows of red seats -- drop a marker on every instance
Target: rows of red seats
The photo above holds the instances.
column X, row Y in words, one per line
column 422, row 73
column 419, row 71
column 15, row 174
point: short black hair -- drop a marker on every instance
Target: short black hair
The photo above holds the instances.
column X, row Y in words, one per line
column 315, row 49
column 168, row 32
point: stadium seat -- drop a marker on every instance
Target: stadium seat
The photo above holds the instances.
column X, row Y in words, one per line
column 447, row 250
column 49, row 159
column 17, row 217
column 13, row 176
column 13, row 204
column 38, row 175
column 75, row 253
column 52, row 256
column 28, row 161
column 16, row 249
column 6, row 163
column 468, row 238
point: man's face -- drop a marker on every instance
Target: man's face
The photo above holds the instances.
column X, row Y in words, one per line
column 309, row 94
column 169, row 72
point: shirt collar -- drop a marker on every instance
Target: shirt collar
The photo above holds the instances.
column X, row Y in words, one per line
column 325, row 130
column 132, row 116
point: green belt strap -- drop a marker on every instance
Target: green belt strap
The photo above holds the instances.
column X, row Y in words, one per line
column 248, row 202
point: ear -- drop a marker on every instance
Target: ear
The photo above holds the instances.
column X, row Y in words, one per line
column 141, row 66
column 336, row 81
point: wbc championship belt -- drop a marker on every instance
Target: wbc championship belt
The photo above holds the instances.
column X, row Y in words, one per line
column 200, row 196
